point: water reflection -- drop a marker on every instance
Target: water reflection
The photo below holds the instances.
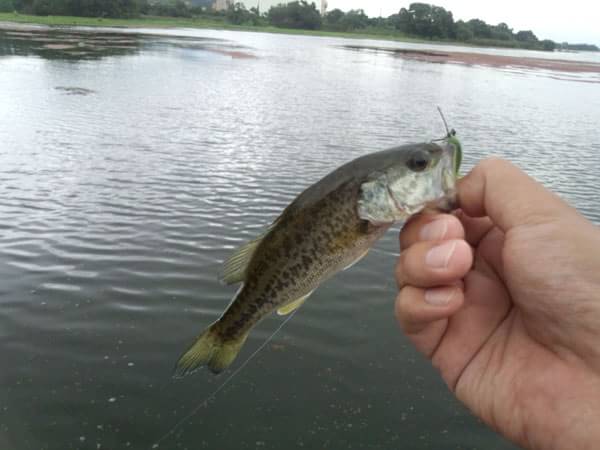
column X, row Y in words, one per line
column 125, row 181
column 93, row 44
column 68, row 45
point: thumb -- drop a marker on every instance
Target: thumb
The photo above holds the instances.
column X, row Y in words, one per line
column 510, row 197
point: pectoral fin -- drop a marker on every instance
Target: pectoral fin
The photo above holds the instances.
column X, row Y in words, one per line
column 293, row 305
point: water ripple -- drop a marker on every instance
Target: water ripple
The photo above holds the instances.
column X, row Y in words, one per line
column 119, row 207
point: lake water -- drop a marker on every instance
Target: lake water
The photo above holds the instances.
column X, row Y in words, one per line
column 131, row 166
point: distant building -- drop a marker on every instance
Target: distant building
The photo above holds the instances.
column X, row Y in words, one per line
column 323, row 7
column 222, row 5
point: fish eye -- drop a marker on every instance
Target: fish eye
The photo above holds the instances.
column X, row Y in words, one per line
column 419, row 161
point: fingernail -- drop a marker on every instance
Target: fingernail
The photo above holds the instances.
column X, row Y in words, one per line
column 440, row 296
column 438, row 257
column 434, row 230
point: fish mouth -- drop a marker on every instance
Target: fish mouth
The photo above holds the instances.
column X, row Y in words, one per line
column 449, row 201
column 448, row 180
column 446, row 204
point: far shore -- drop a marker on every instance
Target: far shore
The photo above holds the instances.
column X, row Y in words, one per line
column 205, row 23
column 16, row 22
column 210, row 23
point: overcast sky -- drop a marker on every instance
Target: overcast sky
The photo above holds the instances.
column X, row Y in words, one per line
column 573, row 21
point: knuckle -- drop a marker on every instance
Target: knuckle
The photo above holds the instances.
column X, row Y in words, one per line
column 403, row 309
column 398, row 308
column 495, row 164
column 403, row 237
column 491, row 162
column 409, row 231
column 400, row 269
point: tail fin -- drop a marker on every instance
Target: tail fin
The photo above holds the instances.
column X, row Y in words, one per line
column 209, row 349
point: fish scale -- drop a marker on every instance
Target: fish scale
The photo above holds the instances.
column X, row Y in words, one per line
column 293, row 273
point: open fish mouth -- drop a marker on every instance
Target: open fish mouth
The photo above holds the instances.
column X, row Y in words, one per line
column 445, row 204
column 449, row 202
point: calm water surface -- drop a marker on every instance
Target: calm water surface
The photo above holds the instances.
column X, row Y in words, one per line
column 131, row 166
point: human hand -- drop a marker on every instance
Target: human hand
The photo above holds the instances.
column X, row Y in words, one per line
column 504, row 298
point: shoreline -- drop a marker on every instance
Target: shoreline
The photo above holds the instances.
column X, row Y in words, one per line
column 207, row 23
column 552, row 62
column 200, row 23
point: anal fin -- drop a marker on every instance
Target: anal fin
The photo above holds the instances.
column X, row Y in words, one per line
column 290, row 307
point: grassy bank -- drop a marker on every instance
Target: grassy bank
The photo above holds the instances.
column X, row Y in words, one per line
column 161, row 22
column 219, row 23
column 197, row 22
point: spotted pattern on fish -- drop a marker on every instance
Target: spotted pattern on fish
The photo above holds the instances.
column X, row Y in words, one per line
column 317, row 242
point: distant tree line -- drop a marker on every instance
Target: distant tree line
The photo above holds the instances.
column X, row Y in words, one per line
column 106, row 8
column 420, row 20
column 435, row 22
column 577, row 47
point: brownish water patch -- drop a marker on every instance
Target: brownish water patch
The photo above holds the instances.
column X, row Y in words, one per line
column 59, row 46
column 481, row 59
column 74, row 43
column 233, row 53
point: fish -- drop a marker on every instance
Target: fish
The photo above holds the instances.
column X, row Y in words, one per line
column 327, row 228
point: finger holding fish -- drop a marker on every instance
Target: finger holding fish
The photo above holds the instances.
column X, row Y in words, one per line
column 430, row 227
column 430, row 263
column 430, row 270
column 423, row 313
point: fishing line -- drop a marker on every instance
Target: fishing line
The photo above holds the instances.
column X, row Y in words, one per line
column 444, row 120
column 229, row 378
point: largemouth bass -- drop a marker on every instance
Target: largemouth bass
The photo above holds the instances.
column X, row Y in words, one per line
column 327, row 228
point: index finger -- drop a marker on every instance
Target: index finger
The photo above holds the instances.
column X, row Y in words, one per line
column 430, row 227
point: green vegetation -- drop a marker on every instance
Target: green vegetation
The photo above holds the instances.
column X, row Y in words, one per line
column 196, row 22
column 6, row 6
column 435, row 22
column 420, row 21
column 144, row 21
column 294, row 15
column 578, row 47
